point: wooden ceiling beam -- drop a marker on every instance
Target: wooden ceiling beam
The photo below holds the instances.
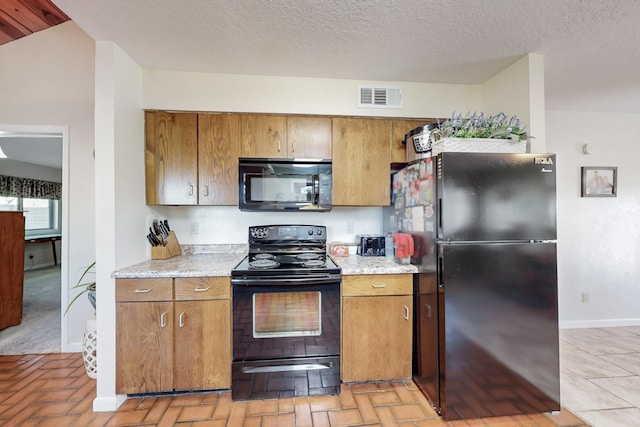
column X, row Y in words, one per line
column 19, row 18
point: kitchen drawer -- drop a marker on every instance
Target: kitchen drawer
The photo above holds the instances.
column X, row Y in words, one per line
column 377, row 284
column 202, row 288
column 133, row 290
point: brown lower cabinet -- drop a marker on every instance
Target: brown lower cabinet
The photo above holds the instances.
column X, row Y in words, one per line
column 377, row 319
column 173, row 334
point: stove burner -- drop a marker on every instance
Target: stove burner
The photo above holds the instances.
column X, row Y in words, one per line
column 264, row 263
column 314, row 263
column 263, row 256
column 308, row 257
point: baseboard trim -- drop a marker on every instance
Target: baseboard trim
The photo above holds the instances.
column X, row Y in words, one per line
column 108, row 403
column 607, row 323
column 73, row 347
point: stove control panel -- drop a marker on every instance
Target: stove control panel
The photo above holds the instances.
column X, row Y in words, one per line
column 284, row 233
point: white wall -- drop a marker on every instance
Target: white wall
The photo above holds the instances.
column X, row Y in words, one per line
column 598, row 248
column 120, row 210
column 46, row 80
column 519, row 90
column 176, row 90
column 228, row 225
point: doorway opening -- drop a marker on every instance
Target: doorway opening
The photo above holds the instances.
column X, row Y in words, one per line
column 39, row 153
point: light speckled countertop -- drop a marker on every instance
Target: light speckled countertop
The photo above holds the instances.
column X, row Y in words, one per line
column 356, row 264
column 219, row 260
column 195, row 261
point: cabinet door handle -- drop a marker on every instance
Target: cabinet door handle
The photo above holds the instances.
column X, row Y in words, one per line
column 206, row 190
column 202, row 289
column 163, row 319
column 142, row 291
column 378, row 285
column 191, row 189
column 406, row 313
column 278, row 145
column 181, row 320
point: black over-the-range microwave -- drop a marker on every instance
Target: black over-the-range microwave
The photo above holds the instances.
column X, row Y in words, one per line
column 284, row 184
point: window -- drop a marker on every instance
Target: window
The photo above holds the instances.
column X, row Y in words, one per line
column 41, row 215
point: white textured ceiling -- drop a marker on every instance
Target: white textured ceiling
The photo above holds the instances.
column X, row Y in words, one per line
column 591, row 47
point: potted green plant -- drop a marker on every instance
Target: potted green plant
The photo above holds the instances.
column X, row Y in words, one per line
column 88, row 287
column 479, row 133
column 477, row 125
column 89, row 340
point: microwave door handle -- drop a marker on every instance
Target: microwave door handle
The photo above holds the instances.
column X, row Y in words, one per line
column 316, row 190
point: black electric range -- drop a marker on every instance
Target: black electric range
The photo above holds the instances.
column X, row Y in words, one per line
column 286, row 315
column 286, row 252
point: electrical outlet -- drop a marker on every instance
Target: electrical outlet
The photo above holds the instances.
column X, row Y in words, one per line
column 195, row 227
column 350, row 227
column 585, row 297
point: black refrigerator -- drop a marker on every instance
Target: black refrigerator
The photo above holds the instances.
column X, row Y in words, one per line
column 483, row 225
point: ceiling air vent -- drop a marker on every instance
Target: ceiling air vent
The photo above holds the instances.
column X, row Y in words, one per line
column 380, row 97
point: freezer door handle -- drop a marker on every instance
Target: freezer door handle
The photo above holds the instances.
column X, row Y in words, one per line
column 440, row 270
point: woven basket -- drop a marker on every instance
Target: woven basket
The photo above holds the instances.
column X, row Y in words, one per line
column 477, row 145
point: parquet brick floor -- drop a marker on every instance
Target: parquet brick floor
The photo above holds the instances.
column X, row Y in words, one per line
column 53, row 390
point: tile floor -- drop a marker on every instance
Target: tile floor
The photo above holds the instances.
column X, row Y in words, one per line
column 600, row 382
column 600, row 375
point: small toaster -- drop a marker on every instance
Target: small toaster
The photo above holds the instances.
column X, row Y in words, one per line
column 371, row 245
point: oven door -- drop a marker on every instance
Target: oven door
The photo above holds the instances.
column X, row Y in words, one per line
column 286, row 339
column 286, row 321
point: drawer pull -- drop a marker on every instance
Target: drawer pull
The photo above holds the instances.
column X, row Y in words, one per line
column 142, row 291
column 406, row 313
column 202, row 289
column 163, row 319
column 378, row 285
column 181, row 320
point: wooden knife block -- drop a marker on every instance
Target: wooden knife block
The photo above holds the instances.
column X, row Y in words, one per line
column 172, row 249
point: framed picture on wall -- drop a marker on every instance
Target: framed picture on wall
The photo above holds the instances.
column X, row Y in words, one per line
column 599, row 181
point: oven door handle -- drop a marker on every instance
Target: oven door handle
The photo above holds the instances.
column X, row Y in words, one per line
column 271, row 281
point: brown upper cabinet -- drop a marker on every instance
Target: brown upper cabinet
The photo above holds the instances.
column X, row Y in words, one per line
column 399, row 130
column 191, row 159
column 309, row 137
column 274, row 136
column 361, row 161
column 171, row 157
column 218, row 152
column 263, row 136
